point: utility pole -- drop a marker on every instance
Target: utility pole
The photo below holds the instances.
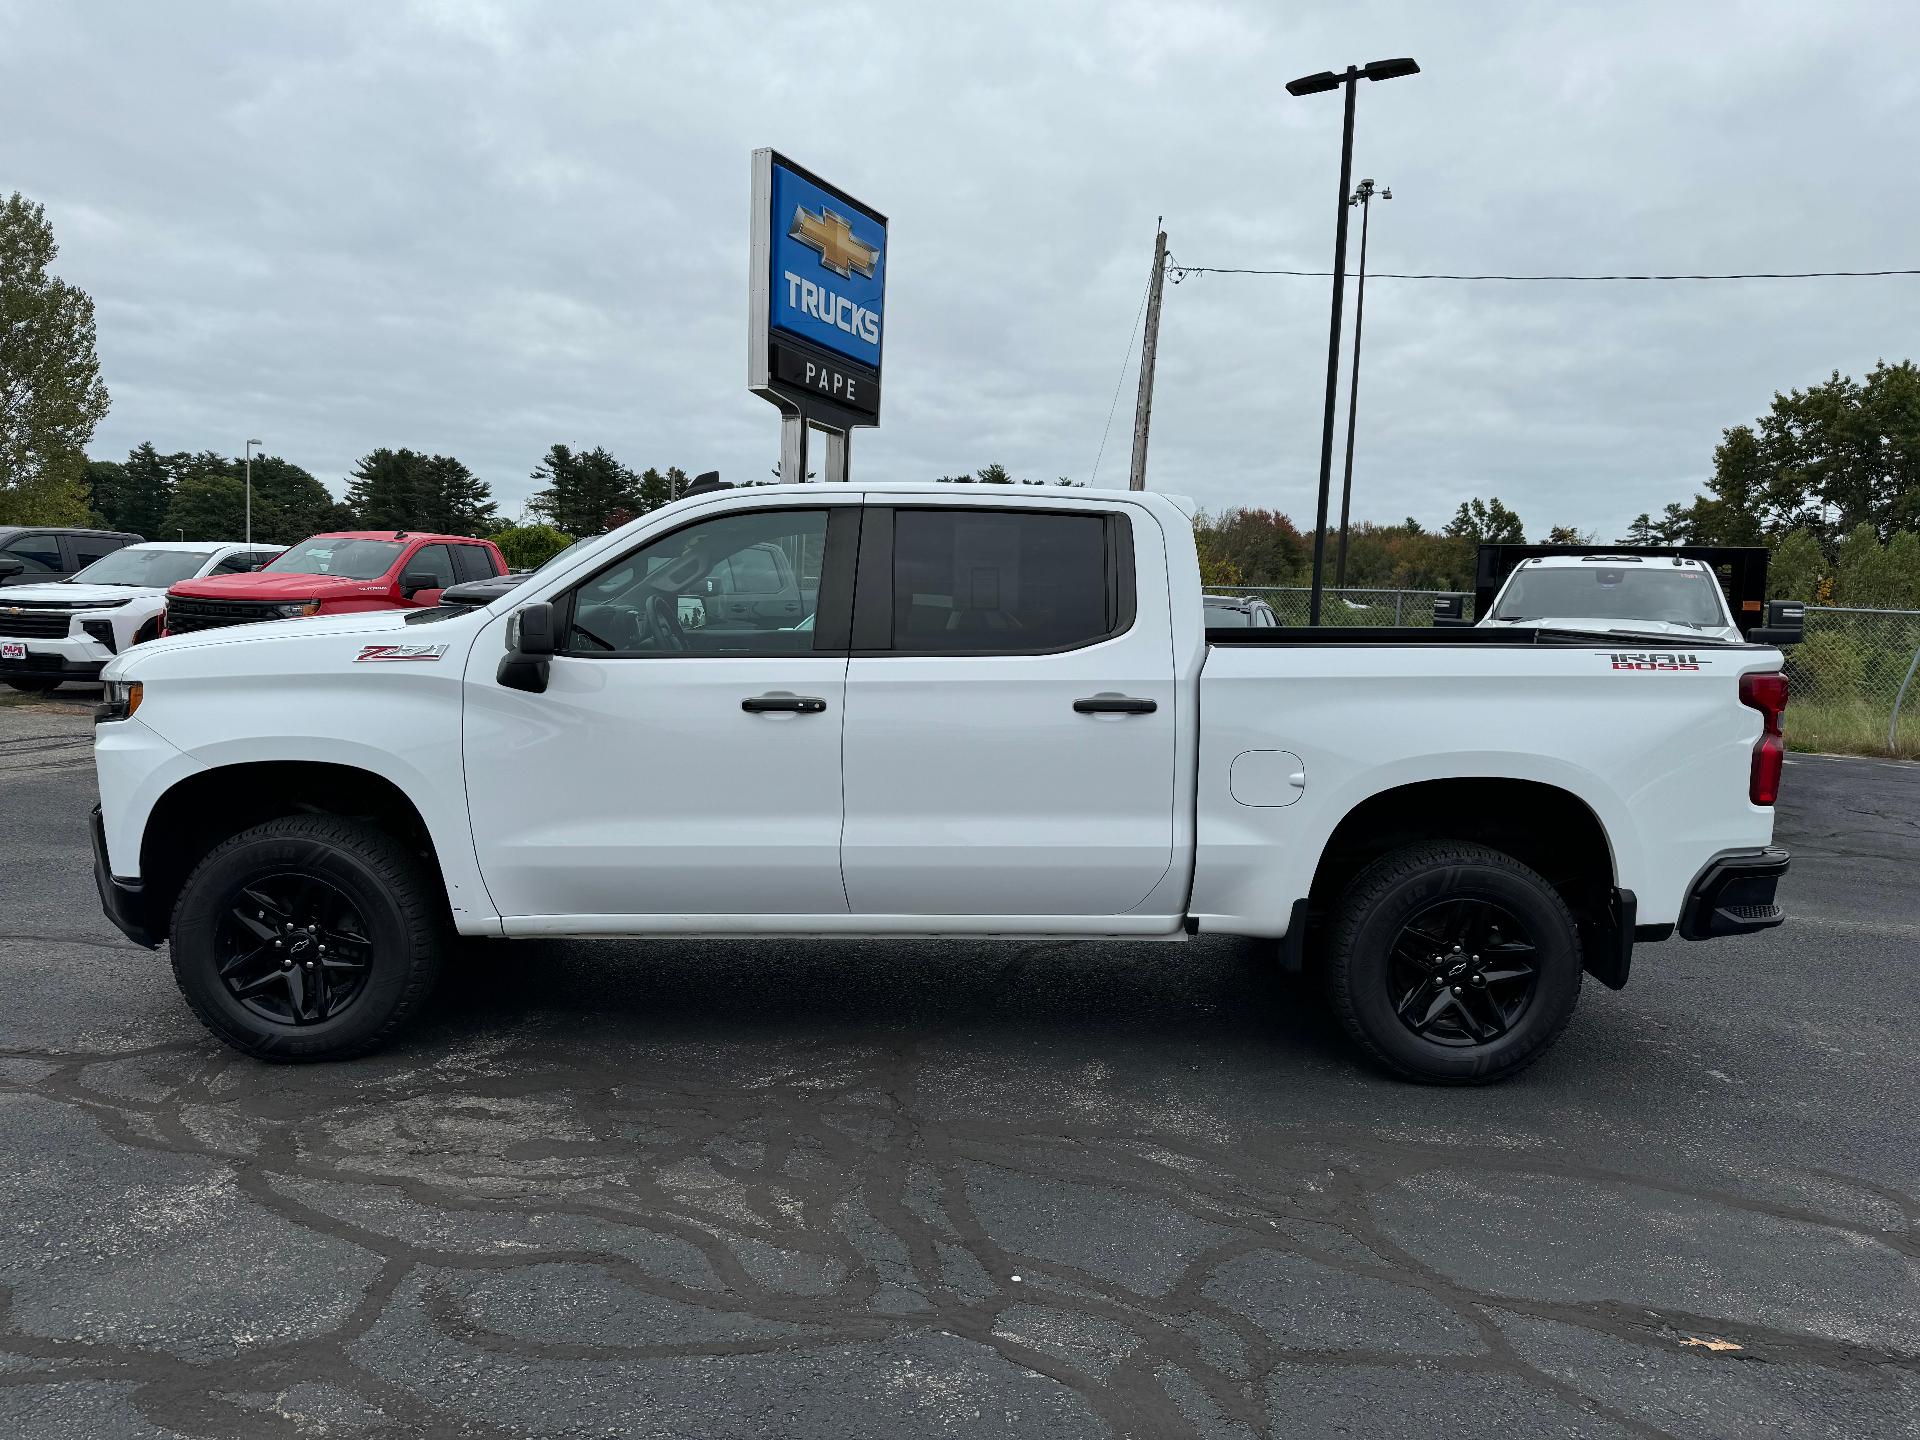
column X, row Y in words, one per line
column 1316, row 85
column 1143, row 406
column 1363, row 197
column 250, row 445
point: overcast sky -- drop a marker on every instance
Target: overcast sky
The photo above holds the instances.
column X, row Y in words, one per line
column 483, row 228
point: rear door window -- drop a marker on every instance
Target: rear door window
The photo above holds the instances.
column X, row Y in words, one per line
column 473, row 562
column 1010, row 582
column 83, row 550
column 38, row 552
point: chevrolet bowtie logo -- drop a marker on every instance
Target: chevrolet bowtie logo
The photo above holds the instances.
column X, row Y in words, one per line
column 833, row 237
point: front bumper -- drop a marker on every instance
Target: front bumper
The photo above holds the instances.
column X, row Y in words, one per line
column 44, row 665
column 1734, row 896
column 124, row 901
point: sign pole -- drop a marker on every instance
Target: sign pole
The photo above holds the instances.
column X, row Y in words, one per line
column 793, row 447
column 839, row 443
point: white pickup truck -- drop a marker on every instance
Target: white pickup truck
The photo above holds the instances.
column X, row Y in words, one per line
column 1000, row 714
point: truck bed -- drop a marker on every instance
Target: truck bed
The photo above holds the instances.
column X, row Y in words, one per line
column 1421, row 635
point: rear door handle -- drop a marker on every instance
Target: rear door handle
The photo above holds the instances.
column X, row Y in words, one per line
column 1115, row 705
column 788, row 704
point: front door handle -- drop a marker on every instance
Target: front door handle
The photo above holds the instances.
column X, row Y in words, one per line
column 787, row 704
column 1115, row 705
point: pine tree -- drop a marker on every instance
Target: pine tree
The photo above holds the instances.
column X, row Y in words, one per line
column 583, row 493
column 384, row 492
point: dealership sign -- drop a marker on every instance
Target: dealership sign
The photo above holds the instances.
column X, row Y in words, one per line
column 817, row 313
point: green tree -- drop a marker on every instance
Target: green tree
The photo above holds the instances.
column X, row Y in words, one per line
column 581, row 493
column 207, row 505
column 1828, row 458
column 1487, row 522
column 1863, row 572
column 406, row 490
column 995, row 474
column 104, row 480
column 136, row 496
column 1640, row 532
column 1903, row 560
column 528, row 546
column 288, row 503
column 1796, row 567
column 1570, row 535
column 1675, row 526
column 51, row 394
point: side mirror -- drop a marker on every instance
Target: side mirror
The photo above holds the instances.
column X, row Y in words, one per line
column 10, row 566
column 531, row 643
column 1786, row 624
column 414, row 581
column 1450, row 612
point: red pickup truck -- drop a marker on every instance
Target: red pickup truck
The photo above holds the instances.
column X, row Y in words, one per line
column 335, row 574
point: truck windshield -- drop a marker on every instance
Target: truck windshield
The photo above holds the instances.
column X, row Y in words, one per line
column 1228, row 616
column 137, row 566
column 1614, row 592
column 347, row 559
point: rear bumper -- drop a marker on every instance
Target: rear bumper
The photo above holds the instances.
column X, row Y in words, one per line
column 124, row 901
column 1734, row 896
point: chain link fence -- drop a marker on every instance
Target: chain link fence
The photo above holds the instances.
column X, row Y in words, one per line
column 1847, row 680
column 1346, row 606
column 1853, row 672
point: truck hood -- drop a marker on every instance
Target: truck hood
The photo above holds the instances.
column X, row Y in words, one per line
column 1588, row 624
column 258, row 585
column 270, row 632
column 78, row 595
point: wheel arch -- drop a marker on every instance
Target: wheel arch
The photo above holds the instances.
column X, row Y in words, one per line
column 201, row 810
column 1544, row 826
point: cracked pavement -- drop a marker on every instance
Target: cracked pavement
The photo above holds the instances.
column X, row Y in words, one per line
column 980, row 1189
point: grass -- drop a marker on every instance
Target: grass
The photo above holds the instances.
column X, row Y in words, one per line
column 1852, row 726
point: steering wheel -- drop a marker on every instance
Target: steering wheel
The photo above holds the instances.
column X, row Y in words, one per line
column 663, row 620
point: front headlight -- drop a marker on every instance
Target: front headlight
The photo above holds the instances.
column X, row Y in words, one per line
column 123, row 698
column 297, row 609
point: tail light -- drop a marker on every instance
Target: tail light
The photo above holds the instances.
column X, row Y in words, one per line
column 1767, row 694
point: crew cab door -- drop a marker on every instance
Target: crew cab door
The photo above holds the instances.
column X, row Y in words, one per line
column 670, row 769
column 1011, row 725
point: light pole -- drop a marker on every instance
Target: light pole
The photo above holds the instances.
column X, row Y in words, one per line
column 1363, row 197
column 250, row 445
column 1314, row 85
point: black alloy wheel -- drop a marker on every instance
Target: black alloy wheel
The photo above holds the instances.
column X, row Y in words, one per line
column 1451, row 963
column 309, row 937
column 293, row 949
column 1463, row 972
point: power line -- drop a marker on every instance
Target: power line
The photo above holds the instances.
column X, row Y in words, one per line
column 1125, row 360
column 1180, row 272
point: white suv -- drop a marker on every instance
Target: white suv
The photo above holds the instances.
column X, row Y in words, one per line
column 68, row 629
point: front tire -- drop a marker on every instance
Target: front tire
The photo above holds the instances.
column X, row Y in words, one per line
column 308, row 938
column 35, row 685
column 1453, row 964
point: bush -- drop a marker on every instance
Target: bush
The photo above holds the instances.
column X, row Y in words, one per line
column 1827, row 667
column 529, row 546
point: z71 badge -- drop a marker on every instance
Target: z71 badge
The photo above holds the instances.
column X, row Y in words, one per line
column 399, row 652
column 1655, row 660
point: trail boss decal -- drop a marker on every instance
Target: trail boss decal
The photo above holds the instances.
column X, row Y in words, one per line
column 1654, row 660
column 399, row 652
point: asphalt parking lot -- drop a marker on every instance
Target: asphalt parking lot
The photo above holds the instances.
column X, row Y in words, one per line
column 780, row 1189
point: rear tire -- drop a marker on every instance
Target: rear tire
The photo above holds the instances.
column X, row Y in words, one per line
column 35, row 685
column 308, row 938
column 1453, row 964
